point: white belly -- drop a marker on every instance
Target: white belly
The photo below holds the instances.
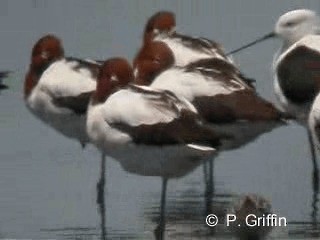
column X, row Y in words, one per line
column 64, row 121
column 167, row 161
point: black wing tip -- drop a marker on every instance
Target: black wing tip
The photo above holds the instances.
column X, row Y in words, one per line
column 77, row 104
column 3, row 86
column 250, row 81
column 5, row 74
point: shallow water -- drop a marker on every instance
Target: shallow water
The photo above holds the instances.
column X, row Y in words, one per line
column 48, row 184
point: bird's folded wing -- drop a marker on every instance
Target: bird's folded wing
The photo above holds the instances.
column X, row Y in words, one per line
column 220, row 70
column 200, row 44
column 156, row 118
column 299, row 73
column 4, row 74
column 77, row 104
column 92, row 66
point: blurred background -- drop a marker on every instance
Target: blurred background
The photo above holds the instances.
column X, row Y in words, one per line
column 48, row 183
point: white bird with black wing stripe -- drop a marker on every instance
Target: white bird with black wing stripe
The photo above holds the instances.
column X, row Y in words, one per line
column 221, row 94
column 297, row 68
column 150, row 132
column 186, row 49
column 51, row 84
column 297, row 71
column 225, row 99
column 297, row 64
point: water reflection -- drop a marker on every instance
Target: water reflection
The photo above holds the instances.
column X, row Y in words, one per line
column 88, row 234
column 315, row 170
column 185, row 218
column 35, row 182
column 247, row 210
column 303, row 230
column 166, row 168
column 73, row 232
column 315, row 208
column 186, row 210
column 186, row 213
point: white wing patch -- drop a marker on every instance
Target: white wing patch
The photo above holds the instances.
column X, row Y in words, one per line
column 182, row 55
column 60, row 79
column 240, row 85
column 201, row 147
column 182, row 102
column 311, row 41
column 126, row 106
column 192, row 84
column 93, row 61
column 208, row 70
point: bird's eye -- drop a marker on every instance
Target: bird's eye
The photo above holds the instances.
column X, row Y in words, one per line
column 289, row 24
column 45, row 55
column 114, row 78
column 156, row 60
column 136, row 72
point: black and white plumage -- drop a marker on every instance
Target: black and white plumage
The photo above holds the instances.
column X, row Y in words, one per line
column 297, row 71
column 296, row 68
column 150, row 132
column 57, row 89
column 221, row 94
column 297, row 76
column 186, row 49
column 296, row 63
